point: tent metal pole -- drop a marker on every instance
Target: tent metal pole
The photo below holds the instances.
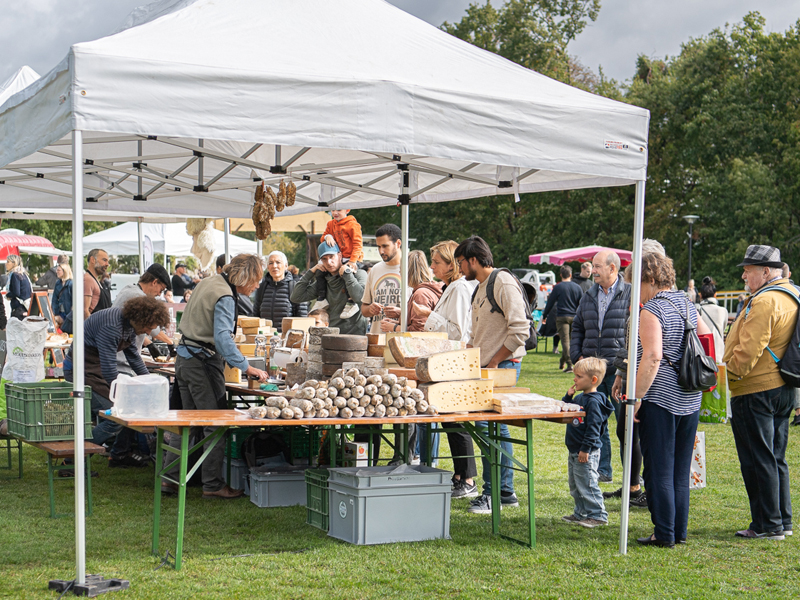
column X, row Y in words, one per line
column 78, row 356
column 260, row 247
column 141, row 244
column 227, row 240
column 404, row 200
column 633, row 344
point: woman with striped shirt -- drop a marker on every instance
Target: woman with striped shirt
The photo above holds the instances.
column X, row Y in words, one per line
column 666, row 412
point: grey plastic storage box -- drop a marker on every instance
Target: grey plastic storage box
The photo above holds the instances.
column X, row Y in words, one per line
column 380, row 505
column 240, row 474
column 277, row 486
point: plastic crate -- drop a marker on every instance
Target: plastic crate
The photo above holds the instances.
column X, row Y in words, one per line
column 359, row 500
column 302, row 440
column 44, row 411
column 271, row 486
column 238, row 436
column 240, row 474
column 317, row 498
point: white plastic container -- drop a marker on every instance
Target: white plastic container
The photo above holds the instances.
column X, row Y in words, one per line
column 145, row 396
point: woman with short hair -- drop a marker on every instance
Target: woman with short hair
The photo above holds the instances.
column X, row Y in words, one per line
column 273, row 298
column 667, row 413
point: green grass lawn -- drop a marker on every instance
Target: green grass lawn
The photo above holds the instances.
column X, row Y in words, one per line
column 233, row 549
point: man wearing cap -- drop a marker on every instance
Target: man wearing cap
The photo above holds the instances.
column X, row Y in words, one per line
column 181, row 281
column 760, row 401
column 344, row 286
column 153, row 282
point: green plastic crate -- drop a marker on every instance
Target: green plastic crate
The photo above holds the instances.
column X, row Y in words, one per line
column 302, row 440
column 317, row 498
column 44, row 411
column 238, row 436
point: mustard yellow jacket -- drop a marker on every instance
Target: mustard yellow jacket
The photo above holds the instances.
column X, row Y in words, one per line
column 770, row 322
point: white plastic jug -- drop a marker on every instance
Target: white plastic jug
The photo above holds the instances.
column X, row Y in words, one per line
column 145, row 396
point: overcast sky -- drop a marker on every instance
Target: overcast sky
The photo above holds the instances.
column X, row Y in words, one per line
column 38, row 33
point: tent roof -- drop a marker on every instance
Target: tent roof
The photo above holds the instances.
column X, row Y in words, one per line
column 167, row 238
column 10, row 243
column 205, row 95
column 22, row 78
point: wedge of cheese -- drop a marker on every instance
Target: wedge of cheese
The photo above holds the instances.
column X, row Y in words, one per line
column 387, row 353
column 455, row 365
column 500, row 377
column 474, row 395
column 406, row 350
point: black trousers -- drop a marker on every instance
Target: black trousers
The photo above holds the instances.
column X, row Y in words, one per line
column 636, row 450
column 462, row 451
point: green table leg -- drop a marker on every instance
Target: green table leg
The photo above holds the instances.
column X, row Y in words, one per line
column 157, row 496
column 529, row 473
column 494, row 462
column 185, row 432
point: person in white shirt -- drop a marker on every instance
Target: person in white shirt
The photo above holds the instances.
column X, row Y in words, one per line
column 714, row 315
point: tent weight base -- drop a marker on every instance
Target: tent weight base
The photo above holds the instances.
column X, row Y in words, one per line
column 94, row 586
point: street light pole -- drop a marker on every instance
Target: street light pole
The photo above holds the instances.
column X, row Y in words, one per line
column 690, row 219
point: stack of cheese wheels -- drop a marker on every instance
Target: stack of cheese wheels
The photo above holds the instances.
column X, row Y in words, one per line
column 314, row 368
column 338, row 349
column 452, row 382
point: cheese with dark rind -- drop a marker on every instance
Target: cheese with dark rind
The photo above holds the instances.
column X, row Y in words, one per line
column 473, row 395
column 406, row 350
column 456, row 365
column 374, row 351
column 348, row 343
column 338, row 357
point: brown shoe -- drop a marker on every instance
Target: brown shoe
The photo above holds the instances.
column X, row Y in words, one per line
column 168, row 488
column 225, row 492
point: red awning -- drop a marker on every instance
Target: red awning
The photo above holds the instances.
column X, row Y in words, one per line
column 10, row 243
column 559, row 257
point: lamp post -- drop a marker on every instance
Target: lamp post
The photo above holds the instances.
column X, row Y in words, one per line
column 690, row 219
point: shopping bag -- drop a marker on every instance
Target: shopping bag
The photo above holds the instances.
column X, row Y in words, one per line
column 25, row 349
column 697, row 476
column 715, row 402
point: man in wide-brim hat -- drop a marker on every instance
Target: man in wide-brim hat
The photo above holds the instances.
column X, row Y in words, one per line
column 760, row 401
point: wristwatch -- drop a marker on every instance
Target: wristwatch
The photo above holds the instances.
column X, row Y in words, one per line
column 348, row 270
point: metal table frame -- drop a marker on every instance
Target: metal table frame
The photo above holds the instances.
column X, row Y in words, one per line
column 181, row 421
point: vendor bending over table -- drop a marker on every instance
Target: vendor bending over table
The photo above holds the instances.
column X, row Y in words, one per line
column 107, row 332
column 207, row 327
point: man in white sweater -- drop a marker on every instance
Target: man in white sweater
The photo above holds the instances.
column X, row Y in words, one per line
column 500, row 332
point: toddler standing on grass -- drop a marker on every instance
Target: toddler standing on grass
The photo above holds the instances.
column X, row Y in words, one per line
column 583, row 442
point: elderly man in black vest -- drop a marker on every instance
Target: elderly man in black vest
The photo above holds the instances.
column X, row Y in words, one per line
column 599, row 330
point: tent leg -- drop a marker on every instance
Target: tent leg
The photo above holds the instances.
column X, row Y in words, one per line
column 636, row 294
column 77, row 356
column 227, row 241
column 141, row 245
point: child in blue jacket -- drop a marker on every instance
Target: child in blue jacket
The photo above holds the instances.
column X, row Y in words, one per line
column 583, row 442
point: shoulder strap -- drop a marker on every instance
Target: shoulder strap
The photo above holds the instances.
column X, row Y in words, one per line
column 700, row 307
column 685, row 318
column 771, row 288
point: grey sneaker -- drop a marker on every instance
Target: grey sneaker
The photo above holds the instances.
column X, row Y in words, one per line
column 571, row 519
column 462, row 489
column 508, row 500
column 592, row 523
column 604, row 478
column 482, row 505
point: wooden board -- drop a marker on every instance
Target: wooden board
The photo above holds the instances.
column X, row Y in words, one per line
column 500, row 377
column 456, row 365
column 458, row 396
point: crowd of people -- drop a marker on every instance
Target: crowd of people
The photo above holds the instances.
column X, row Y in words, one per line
column 459, row 291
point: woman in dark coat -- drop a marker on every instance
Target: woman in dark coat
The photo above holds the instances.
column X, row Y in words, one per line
column 273, row 295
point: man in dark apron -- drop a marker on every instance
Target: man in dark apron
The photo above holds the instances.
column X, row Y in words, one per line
column 207, row 328
column 96, row 296
column 105, row 333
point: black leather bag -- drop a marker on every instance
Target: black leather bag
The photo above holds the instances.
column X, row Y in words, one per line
column 697, row 372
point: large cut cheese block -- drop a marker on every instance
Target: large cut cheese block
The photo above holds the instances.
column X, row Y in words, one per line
column 474, row 395
column 347, row 343
column 511, row 390
column 524, row 403
column 304, row 323
column 376, row 351
column 320, row 331
column 387, row 354
column 232, row 374
column 455, row 365
column 249, row 322
column 500, row 377
column 406, row 350
column 379, row 339
column 247, row 349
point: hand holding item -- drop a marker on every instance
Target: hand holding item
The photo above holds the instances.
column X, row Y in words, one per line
column 262, row 376
column 374, row 309
column 388, row 325
column 392, row 312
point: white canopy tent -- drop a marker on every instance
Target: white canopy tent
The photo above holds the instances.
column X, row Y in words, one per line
column 190, row 106
column 170, row 239
column 22, row 78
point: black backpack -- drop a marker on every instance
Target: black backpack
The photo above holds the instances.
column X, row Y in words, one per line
column 264, row 444
column 696, row 371
column 789, row 364
column 533, row 339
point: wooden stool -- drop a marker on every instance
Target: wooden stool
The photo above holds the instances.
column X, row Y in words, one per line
column 9, row 443
column 56, row 450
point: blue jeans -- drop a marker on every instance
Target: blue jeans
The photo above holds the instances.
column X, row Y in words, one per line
column 422, row 442
column 506, row 472
column 667, row 443
column 761, row 430
column 584, row 488
column 605, row 450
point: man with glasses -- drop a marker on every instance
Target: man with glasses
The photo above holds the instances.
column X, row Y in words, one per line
column 599, row 330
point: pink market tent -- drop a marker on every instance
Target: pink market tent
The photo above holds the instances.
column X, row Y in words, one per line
column 559, row 257
column 33, row 244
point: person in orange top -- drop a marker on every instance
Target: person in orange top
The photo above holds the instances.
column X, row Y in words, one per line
column 343, row 231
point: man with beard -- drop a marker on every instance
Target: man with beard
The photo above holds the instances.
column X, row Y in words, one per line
column 382, row 290
column 95, row 296
column 501, row 337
